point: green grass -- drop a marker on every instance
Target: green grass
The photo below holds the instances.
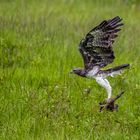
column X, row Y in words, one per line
column 39, row 99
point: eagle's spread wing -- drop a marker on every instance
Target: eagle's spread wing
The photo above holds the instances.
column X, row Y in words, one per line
column 96, row 47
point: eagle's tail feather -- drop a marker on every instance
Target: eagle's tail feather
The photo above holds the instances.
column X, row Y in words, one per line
column 116, row 70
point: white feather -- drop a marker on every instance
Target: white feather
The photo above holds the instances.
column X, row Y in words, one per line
column 104, row 83
column 92, row 73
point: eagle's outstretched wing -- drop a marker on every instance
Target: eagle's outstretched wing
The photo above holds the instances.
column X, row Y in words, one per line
column 96, row 47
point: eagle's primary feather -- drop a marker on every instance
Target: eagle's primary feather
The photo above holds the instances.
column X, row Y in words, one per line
column 96, row 47
column 97, row 52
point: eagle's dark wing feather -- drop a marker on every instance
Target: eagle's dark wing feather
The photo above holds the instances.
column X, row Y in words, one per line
column 96, row 47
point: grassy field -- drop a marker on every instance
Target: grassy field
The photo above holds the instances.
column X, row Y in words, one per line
column 39, row 99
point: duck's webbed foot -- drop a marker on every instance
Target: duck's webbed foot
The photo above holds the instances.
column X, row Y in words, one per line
column 109, row 104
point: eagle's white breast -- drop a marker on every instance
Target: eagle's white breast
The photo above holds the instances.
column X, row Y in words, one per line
column 92, row 73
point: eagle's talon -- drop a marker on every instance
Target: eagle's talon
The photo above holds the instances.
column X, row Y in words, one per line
column 109, row 105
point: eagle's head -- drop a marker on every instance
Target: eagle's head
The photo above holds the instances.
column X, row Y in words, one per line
column 79, row 71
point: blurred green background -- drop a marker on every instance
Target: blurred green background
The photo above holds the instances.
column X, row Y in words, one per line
column 39, row 99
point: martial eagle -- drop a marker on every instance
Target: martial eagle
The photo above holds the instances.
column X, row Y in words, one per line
column 97, row 52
